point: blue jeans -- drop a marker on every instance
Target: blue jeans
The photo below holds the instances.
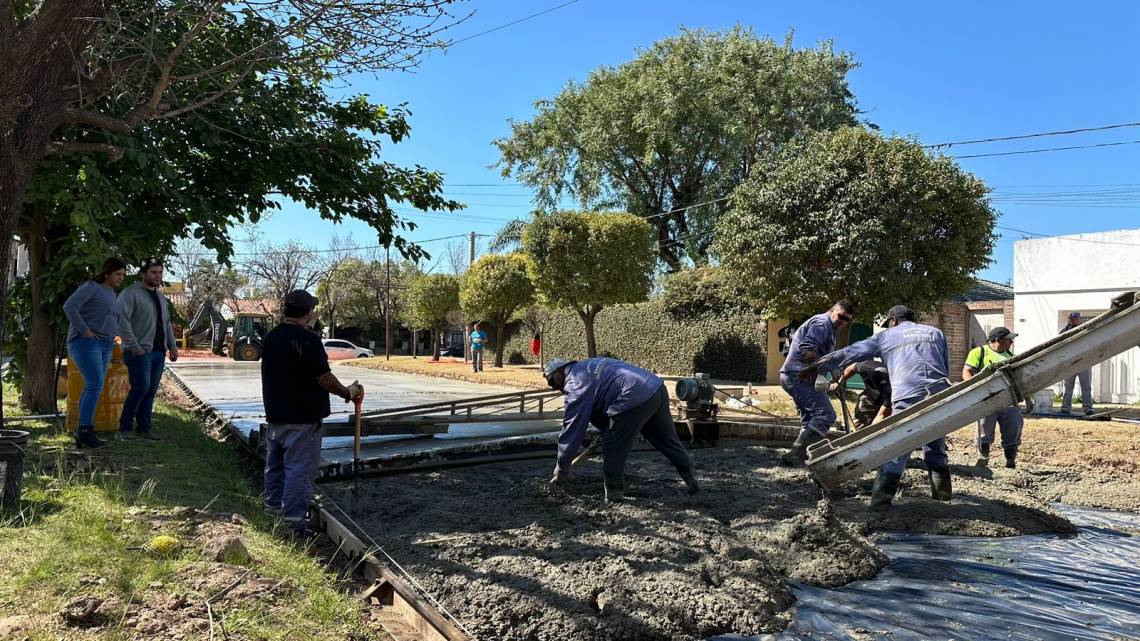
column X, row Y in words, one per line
column 934, row 452
column 92, row 356
column 814, row 408
column 293, row 454
column 145, row 373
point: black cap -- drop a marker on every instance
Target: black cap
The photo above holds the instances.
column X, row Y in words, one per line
column 999, row 333
column 300, row 300
column 898, row 312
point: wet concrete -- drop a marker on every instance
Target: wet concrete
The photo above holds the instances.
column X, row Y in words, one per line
column 234, row 390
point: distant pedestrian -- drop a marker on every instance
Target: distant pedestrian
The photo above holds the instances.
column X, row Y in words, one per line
column 918, row 362
column 295, row 385
column 999, row 348
column 622, row 401
column 811, row 341
column 874, row 402
column 478, row 343
column 93, row 311
column 1085, row 377
column 144, row 325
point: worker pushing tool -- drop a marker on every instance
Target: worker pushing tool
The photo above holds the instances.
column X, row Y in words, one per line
column 622, row 401
column 813, row 339
column 918, row 363
column 1000, row 348
column 874, row 402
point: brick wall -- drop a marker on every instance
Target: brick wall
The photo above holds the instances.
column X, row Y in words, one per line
column 953, row 320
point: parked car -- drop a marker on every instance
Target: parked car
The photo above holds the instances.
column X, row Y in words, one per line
column 452, row 350
column 337, row 348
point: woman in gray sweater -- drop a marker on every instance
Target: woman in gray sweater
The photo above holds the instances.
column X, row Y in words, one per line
column 93, row 311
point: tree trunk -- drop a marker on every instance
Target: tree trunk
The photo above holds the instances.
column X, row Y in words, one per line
column 435, row 337
column 38, row 394
column 587, row 315
column 500, row 342
column 14, row 178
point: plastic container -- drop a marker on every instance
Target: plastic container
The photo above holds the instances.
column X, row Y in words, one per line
column 12, row 446
column 116, row 386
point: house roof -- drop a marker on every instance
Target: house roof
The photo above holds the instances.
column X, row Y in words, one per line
column 985, row 290
column 252, row 305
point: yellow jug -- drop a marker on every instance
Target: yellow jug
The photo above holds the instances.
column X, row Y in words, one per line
column 116, row 386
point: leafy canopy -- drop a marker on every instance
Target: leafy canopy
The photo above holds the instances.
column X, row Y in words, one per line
column 678, row 126
column 495, row 286
column 853, row 214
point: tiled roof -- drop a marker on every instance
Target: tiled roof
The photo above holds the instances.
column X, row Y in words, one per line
column 985, row 290
column 248, row 305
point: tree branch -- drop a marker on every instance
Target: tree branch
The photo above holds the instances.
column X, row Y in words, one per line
column 113, row 151
column 96, row 120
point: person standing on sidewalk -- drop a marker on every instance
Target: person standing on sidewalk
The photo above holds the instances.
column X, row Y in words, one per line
column 93, row 311
column 1085, row 377
column 1000, row 348
column 622, row 401
column 295, row 385
column 144, row 325
column 478, row 343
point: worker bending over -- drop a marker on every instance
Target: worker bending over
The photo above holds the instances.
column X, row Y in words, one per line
column 999, row 349
column 813, row 339
column 918, row 362
column 874, row 402
column 622, row 401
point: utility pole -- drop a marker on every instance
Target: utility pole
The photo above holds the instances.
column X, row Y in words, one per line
column 387, row 303
column 469, row 326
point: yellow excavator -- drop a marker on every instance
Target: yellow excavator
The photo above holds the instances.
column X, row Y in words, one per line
column 242, row 336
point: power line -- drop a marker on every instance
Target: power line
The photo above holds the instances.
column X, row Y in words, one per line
column 512, row 23
column 1064, row 132
column 1069, row 238
column 1038, row 151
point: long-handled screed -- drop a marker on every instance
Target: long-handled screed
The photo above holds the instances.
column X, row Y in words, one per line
column 356, row 455
column 842, row 392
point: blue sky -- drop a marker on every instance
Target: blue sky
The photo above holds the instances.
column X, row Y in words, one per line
column 939, row 71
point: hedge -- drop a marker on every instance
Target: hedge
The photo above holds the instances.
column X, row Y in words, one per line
column 727, row 346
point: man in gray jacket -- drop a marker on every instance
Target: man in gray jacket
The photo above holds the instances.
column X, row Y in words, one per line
column 144, row 326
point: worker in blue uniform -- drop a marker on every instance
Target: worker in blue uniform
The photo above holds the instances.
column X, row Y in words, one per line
column 622, row 401
column 812, row 340
column 918, row 363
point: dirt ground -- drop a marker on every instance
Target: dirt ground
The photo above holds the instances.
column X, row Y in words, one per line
column 516, row 559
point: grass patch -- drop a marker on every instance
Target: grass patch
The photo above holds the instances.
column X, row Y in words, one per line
column 82, row 530
column 520, row 376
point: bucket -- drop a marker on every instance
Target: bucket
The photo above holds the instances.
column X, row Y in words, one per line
column 116, row 386
column 12, row 445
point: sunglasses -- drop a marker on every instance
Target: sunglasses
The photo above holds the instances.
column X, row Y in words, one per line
column 846, row 318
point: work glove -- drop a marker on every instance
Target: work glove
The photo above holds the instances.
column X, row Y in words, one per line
column 560, row 476
column 355, row 391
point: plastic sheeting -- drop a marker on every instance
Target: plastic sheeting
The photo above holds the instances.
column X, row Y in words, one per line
column 1045, row 587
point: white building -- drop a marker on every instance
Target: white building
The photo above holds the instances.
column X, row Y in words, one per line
column 1055, row 276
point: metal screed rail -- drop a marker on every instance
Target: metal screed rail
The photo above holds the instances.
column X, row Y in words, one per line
column 1008, row 383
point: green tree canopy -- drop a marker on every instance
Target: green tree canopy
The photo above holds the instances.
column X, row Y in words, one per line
column 853, row 214
column 493, row 289
column 678, row 126
column 430, row 298
column 703, row 291
column 586, row 261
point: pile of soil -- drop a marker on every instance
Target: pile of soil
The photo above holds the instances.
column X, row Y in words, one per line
column 514, row 558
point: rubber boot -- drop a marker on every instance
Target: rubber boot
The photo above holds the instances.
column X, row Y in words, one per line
column 883, row 493
column 940, row 487
column 615, row 490
column 85, row 437
column 983, row 455
column 690, row 481
column 798, row 454
column 1011, row 458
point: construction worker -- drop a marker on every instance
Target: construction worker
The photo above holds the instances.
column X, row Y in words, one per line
column 918, row 363
column 999, row 349
column 295, row 385
column 622, row 401
column 874, row 402
column 1085, row 377
column 813, row 339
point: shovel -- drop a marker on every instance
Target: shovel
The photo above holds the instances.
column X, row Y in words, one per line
column 356, row 455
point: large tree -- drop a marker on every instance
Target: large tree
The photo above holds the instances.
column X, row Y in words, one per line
column 587, row 261
column 853, row 214
column 677, row 127
column 236, row 159
column 431, row 299
column 492, row 290
column 81, row 76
